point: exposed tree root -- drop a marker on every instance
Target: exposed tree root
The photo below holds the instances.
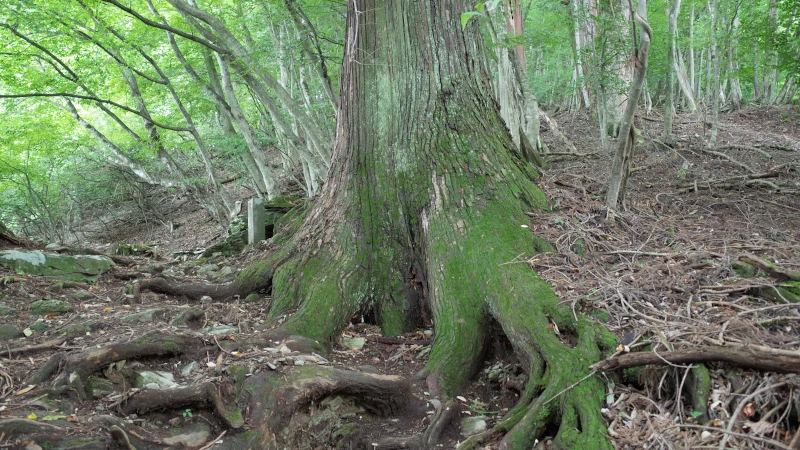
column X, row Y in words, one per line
column 744, row 356
column 256, row 277
column 771, row 269
column 75, row 368
column 196, row 395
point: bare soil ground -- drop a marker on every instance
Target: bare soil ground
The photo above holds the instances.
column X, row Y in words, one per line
column 658, row 274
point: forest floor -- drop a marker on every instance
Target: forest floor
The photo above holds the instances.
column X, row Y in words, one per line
column 660, row 271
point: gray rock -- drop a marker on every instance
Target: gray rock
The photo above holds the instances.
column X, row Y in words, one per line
column 76, row 268
column 206, row 299
column 155, row 380
column 208, row 269
column 81, row 294
column 190, row 368
column 99, row 387
column 145, row 316
column 219, row 329
column 8, row 332
column 225, row 271
column 46, row 307
column 353, row 343
column 192, row 436
column 6, row 310
column 471, row 426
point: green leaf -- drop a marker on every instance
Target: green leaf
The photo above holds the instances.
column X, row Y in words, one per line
column 493, row 4
column 55, row 417
column 480, row 7
column 466, row 17
column 696, row 414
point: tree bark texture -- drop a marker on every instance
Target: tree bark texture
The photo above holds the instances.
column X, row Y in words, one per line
column 425, row 201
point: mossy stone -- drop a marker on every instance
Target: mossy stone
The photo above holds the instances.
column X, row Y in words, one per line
column 39, row 325
column 252, row 298
column 46, row 307
column 6, row 310
column 9, row 331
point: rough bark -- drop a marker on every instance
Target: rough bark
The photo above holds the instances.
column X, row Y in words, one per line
column 423, row 206
column 424, row 203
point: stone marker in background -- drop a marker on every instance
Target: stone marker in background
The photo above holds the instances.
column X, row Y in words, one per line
column 255, row 220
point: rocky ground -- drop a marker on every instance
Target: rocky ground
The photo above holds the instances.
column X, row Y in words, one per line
column 664, row 275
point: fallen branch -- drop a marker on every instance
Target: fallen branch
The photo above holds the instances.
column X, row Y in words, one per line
column 743, row 356
column 770, row 268
column 53, row 343
column 199, row 394
column 724, row 156
column 744, row 148
column 726, row 182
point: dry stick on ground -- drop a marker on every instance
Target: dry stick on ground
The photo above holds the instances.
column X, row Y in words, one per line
column 724, row 156
column 745, row 148
column 748, row 356
column 741, row 405
column 35, row 347
column 724, row 182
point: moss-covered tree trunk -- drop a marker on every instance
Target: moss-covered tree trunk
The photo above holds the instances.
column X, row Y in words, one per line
column 425, row 201
column 424, row 205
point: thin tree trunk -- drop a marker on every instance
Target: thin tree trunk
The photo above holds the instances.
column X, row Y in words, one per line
column 621, row 165
column 684, row 81
column 692, row 81
column 672, row 66
column 256, row 152
column 783, row 97
column 715, row 67
column 577, row 49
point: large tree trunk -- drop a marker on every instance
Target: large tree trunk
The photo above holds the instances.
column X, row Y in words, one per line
column 425, row 201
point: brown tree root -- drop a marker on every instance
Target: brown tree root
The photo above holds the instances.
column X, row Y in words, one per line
column 255, row 277
column 199, row 394
column 75, row 368
column 430, row 437
column 193, row 290
column 271, row 399
column 748, row 357
column 127, row 436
